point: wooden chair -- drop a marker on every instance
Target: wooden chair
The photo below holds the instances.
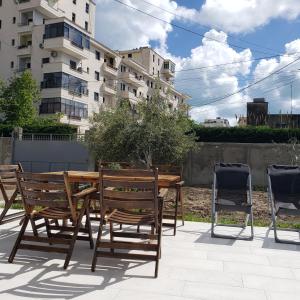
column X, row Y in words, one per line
column 8, row 183
column 123, row 199
column 169, row 213
column 50, row 197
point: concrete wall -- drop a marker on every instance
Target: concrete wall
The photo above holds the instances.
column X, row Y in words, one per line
column 199, row 165
column 6, row 146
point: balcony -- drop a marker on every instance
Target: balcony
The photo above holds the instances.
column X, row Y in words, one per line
column 108, row 89
column 63, row 67
column 48, row 8
column 64, row 45
column 24, row 50
column 110, row 70
column 132, row 79
column 130, row 96
column 168, row 69
column 25, row 27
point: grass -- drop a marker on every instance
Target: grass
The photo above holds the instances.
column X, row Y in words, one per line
column 229, row 220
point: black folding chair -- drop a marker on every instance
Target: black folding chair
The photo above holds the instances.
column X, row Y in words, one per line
column 232, row 191
column 284, row 196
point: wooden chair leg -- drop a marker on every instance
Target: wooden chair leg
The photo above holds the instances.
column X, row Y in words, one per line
column 74, row 237
column 34, row 230
column 18, row 241
column 99, row 236
column 111, row 232
column 176, row 212
column 89, row 227
column 158, row 253
column 48, row 230
column 181, row 206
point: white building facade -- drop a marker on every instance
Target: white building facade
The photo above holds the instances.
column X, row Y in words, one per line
column 55, row 39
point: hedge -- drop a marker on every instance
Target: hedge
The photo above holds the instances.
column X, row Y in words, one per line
column 246, row 135
column 6, row 130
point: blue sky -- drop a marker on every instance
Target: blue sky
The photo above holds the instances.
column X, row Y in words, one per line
column 273, row 26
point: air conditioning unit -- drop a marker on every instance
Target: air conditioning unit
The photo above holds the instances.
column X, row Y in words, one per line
column 53, row 53
column 41, row 45
column 79, row 69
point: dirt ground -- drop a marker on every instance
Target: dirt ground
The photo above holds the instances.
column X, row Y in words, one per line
column 197, row 201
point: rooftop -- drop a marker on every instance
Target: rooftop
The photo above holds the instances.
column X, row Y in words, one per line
column 193, row 266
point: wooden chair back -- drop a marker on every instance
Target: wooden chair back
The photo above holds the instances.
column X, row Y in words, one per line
column 40, row 191
column 8, row 179
column 129, row 190
column 170, row 170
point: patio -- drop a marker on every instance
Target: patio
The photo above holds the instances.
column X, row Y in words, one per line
column 193, row 266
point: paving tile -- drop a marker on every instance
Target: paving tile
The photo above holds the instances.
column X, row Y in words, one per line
column 237, row 257
column 271, row 284
column 262, row 270
column 205, row 291
column 207, row 276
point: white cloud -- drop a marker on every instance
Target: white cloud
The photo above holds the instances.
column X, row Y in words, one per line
column 121, row 27
column 205, row 85
column 238, row 16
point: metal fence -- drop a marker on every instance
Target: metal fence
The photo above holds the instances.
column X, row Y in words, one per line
column 51, row 137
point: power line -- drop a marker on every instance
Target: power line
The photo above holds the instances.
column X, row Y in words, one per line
column 211, row 101
column 208, row 27
column 186, row 29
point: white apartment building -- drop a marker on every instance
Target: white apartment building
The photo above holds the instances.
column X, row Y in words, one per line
column 55, row 39
column 218, row 122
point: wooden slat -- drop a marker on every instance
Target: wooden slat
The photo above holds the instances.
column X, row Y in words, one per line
column 46, row 240
column 43, row 185
column 45, row 195
column 129, row 204
column 5, row 168
column 43, row 248
column 127, row 245
column 43, row 177
column 140, row 195
column 126, row 256
column 128, row 183
column 128, row 173
column 143, row 236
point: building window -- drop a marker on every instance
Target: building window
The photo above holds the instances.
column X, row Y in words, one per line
column 96, row 96
column 74, row 1
column 87, row 8
column 12, row 64
column 153, row 58
column 97, row 53
column 73, row 17
column 14, row 20
column 158, row 61
column 13, row 42
column 123, row 87
column 86, row 26
column 61, row 105
column 73, row 65
column 66, row 81
column 88, row 70
column 76, row 37
column 148, row 82
column 153, row 71
column 151, row 85
column 130, row 55
column 45, row 60
column 103, row 99
column 0, row 2
column 97, row 75
column 0, row 24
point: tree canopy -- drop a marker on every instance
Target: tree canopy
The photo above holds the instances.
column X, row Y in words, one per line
column 18, row 98
column 152, row 134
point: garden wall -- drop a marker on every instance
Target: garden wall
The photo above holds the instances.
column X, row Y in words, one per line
column 198, row 169
column 6, row 146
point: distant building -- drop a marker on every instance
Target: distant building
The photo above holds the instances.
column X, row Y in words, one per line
column 257, row 112
column 258, row 115
column 218, row 122
column 242, row 122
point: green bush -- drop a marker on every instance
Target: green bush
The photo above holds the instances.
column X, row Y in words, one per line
column 246, row 134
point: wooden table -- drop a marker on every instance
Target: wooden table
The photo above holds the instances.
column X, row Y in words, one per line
column 164, row 181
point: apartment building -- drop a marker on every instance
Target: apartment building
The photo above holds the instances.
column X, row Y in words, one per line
column 55, row 39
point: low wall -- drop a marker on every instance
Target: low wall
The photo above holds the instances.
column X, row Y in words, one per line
column 6, row 150
column 199, row 165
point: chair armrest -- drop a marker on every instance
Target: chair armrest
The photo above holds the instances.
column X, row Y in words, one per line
column 162, row 193
column 85, row 192
column 179, row 184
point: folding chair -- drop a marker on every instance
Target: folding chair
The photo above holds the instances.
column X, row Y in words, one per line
column 8, row 185
column 232, row 191
column 172, row 213
column 50, row 197
column 284, row 196
column 123, row 199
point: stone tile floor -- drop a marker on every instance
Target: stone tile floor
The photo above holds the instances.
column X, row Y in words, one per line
column 193, row 266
